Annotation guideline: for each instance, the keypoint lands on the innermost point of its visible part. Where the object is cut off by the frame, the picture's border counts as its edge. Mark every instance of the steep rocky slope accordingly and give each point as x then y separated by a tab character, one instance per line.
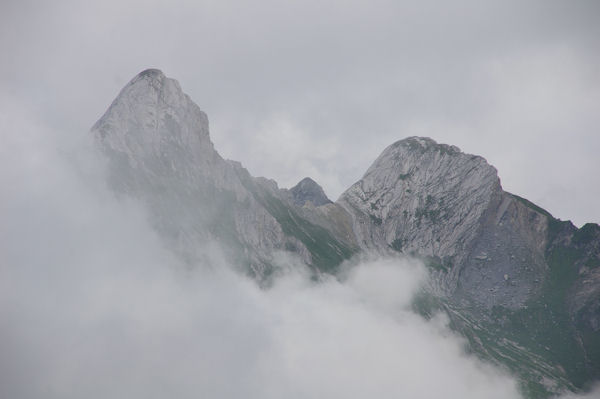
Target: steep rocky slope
520	285
160	152
432	200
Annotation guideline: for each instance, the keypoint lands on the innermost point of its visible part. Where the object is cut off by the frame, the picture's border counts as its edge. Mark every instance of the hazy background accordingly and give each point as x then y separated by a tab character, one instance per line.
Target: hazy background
320	88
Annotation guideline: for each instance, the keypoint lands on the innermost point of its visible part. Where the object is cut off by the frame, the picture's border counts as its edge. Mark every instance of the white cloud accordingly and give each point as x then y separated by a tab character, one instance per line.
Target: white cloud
93	306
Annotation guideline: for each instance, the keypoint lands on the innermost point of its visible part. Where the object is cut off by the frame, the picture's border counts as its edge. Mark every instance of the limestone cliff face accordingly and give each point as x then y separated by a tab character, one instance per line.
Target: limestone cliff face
423	198
157	141
420	196
432	200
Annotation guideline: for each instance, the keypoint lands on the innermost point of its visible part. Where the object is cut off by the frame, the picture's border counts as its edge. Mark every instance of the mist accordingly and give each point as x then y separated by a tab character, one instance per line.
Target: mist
92	304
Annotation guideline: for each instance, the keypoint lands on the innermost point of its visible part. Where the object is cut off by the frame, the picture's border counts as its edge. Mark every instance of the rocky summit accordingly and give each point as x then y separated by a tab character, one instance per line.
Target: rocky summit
308	191
159	151
521	286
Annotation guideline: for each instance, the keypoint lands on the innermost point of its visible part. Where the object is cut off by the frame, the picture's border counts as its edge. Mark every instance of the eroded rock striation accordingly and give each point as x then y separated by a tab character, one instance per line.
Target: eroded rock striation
434	201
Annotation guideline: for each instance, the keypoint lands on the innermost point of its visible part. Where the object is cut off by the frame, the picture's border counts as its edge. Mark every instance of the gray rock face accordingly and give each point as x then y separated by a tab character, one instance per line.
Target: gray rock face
433	200
158	145
307	190
419	196
424	198
506	264
501	266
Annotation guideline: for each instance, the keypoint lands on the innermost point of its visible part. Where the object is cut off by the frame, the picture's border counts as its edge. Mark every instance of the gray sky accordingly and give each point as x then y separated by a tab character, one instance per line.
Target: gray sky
320	88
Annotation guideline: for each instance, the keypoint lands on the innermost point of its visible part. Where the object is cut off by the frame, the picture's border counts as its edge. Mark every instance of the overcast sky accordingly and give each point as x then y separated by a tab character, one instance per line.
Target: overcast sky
320	88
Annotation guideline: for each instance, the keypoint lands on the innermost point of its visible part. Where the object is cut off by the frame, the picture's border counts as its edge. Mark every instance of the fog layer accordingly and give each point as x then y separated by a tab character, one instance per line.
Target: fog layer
93	306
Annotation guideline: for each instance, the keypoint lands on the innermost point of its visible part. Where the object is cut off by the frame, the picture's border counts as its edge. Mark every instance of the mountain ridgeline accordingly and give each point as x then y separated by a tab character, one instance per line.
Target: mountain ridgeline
520	285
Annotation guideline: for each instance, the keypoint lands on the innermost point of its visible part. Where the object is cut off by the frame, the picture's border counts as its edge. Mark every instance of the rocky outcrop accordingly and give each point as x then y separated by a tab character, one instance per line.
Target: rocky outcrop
157	141
307	190
420	197
432	200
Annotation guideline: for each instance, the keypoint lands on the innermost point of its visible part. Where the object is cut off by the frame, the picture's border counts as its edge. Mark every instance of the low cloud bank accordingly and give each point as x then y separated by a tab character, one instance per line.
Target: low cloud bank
93	306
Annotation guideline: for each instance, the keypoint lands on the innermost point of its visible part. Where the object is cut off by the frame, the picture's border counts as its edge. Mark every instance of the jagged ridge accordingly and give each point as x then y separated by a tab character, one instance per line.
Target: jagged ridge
158	144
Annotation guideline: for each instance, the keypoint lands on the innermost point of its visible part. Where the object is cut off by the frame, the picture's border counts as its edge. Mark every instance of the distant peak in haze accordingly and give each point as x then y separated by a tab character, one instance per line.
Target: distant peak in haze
308	190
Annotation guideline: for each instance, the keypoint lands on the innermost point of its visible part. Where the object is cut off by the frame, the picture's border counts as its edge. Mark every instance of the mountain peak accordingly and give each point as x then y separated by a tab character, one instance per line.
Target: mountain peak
424	144
149	80
418	189
159	151
308	190
152	72
153	117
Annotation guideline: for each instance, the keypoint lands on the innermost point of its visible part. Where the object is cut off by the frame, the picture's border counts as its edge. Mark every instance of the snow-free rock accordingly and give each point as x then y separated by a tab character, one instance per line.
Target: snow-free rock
307	190
157	141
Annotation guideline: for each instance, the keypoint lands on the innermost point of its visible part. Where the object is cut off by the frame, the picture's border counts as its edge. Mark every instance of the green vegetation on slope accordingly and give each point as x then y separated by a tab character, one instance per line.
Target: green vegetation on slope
327	252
